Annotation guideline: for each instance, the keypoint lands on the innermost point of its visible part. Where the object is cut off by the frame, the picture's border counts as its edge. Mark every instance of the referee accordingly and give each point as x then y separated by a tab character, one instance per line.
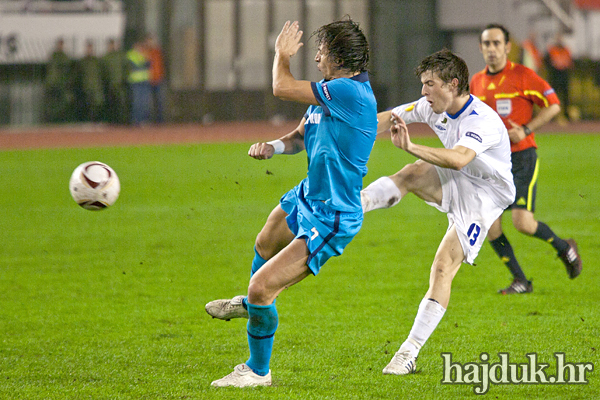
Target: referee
512	90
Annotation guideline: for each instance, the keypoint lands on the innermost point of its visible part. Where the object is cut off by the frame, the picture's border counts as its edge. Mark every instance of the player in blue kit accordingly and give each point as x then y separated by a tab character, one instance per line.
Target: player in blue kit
321	215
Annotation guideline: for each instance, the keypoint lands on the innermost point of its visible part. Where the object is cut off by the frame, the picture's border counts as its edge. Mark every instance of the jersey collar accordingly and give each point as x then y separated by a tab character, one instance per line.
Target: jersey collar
454	116
362	77
508	65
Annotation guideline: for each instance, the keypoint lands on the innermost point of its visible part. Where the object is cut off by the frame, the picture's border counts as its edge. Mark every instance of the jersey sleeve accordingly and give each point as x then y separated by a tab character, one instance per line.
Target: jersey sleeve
417	111
478	135
335	97
538	90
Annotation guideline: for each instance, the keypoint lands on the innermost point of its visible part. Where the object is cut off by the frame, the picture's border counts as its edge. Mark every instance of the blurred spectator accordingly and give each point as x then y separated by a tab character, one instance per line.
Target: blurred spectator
60	98
559	63
138	79
154	54
89	79
114	77
530	55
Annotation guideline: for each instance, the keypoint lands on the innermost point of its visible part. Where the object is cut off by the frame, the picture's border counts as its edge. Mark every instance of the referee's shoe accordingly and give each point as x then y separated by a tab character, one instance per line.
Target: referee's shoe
571	259
517	287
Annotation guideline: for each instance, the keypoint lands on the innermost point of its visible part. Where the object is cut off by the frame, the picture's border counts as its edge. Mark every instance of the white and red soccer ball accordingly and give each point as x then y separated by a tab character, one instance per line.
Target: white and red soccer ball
94	185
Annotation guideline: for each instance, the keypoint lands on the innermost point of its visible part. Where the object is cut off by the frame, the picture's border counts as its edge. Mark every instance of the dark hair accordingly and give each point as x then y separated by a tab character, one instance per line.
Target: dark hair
447	66
497	26
345	43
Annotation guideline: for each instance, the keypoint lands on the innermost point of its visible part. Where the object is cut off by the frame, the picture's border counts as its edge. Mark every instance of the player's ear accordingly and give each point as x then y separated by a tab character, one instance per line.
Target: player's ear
480	48
455	83
508	46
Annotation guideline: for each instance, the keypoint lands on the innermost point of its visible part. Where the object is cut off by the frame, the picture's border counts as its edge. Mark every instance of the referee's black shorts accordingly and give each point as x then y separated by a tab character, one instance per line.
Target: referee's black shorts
525	166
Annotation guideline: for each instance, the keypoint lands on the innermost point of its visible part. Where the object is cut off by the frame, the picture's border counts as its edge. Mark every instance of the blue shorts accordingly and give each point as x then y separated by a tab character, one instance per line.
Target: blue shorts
326	231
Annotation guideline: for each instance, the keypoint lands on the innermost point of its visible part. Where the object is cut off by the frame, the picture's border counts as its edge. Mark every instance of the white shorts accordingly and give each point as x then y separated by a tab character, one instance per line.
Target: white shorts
469	207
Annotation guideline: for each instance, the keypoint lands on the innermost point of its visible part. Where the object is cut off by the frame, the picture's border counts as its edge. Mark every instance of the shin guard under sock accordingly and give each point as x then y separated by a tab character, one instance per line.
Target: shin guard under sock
544	232
505	251
428	317
262	324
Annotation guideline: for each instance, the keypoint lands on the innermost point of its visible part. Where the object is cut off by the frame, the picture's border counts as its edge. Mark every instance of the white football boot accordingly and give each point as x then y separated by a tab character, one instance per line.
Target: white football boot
242	376
227	309
402	363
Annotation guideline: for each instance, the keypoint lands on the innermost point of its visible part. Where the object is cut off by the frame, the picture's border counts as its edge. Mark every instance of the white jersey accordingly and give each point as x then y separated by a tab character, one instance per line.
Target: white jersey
479	128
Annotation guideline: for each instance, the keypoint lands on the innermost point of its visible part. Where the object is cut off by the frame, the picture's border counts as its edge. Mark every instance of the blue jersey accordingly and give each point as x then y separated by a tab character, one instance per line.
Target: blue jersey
338	137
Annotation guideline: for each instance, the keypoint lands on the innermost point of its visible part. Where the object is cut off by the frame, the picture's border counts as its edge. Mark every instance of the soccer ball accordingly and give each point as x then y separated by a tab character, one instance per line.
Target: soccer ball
94	185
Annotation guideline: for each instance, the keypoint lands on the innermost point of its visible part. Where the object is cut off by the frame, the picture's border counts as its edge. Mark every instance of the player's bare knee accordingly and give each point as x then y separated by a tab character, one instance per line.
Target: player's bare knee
257	293
441	275
442	271
261	246
406	177
266	245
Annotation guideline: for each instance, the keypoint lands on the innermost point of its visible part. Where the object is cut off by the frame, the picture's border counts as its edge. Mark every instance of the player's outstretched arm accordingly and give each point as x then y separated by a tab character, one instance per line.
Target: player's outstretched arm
285	86
384	121
455	158
291	143
399	132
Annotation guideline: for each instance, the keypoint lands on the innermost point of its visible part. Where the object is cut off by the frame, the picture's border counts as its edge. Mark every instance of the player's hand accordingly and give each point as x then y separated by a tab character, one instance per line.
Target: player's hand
516	133
288	42
261	151
399	132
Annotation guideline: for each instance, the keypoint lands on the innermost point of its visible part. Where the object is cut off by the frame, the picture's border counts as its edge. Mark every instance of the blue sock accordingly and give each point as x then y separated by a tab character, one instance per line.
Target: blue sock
262	325
256	264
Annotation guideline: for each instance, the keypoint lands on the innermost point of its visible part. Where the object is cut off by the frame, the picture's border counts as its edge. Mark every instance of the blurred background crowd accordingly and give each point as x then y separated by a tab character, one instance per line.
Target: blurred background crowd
118	87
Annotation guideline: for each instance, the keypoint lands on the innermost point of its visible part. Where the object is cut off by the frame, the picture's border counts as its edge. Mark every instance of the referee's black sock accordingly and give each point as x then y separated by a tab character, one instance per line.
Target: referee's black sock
507	255
545	233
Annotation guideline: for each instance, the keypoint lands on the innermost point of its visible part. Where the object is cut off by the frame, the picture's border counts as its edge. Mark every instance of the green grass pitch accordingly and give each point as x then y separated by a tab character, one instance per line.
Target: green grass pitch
110	304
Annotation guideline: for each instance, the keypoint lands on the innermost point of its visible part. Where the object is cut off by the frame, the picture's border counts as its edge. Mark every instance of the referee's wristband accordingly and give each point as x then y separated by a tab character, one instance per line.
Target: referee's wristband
526	130
278	145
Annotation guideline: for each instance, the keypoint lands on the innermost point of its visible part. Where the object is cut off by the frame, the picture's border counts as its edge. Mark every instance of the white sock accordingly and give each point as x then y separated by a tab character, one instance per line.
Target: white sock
383	193
428	317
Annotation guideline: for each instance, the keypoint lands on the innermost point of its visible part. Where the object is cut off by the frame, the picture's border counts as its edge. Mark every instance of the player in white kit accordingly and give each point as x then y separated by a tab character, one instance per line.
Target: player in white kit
470	179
